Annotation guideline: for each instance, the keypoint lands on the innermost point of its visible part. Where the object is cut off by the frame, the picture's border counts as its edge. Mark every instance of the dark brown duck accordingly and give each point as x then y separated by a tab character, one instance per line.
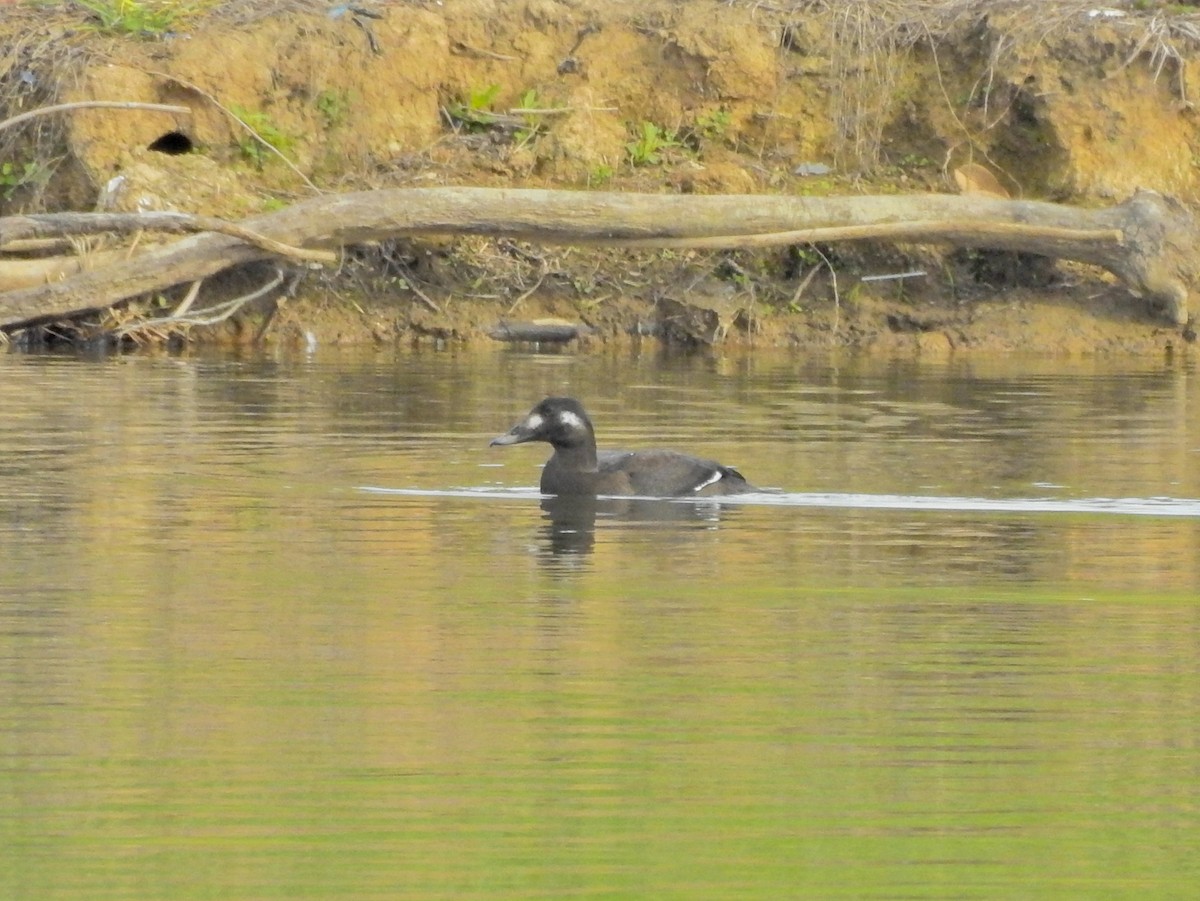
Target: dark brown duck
577	468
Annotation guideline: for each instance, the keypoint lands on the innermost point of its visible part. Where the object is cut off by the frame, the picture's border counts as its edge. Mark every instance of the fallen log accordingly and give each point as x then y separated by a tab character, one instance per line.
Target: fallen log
1149	241
25	273
538	332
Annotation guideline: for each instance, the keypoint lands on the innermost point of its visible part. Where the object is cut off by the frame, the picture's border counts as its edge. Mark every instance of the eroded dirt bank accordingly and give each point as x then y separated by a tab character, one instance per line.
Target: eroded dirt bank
1058	101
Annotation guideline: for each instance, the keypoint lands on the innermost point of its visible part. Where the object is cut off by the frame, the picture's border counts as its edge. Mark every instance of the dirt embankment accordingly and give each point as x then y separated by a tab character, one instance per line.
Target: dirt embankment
1059	101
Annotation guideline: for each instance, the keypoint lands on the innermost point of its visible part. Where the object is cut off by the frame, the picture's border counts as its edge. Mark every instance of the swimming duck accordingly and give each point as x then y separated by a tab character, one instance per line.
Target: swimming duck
577	468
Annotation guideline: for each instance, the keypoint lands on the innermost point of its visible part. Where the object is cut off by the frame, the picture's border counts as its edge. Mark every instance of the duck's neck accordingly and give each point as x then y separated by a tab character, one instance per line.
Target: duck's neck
577	457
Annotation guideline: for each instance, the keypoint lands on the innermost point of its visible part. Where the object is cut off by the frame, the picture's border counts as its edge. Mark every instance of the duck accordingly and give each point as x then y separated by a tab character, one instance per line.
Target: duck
577	469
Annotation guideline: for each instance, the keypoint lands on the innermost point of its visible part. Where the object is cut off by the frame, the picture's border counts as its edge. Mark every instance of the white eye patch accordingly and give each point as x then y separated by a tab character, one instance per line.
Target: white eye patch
534	422
569	419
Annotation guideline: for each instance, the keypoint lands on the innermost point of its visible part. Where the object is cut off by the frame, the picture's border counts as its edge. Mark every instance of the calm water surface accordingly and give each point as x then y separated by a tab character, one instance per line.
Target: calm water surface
287	628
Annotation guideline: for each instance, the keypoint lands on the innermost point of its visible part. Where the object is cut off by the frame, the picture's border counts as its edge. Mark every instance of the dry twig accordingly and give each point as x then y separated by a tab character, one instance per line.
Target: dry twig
95	104
208	316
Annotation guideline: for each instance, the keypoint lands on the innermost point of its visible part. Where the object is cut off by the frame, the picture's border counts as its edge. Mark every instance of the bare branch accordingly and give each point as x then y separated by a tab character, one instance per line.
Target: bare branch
42	225
95	104
1150	241
217	313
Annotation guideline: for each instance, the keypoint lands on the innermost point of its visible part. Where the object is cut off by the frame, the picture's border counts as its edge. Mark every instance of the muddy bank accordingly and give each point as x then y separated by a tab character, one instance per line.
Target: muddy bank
1048	100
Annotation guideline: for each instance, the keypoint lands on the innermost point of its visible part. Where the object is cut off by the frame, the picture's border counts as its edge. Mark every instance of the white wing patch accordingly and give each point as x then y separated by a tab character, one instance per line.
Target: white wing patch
715	477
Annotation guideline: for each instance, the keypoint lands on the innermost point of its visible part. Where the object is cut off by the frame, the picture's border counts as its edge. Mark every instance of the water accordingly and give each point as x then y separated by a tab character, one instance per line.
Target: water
287	628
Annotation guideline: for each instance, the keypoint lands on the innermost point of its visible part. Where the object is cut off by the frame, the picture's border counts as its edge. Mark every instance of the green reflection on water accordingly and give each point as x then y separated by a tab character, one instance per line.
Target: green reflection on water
629	740
226	673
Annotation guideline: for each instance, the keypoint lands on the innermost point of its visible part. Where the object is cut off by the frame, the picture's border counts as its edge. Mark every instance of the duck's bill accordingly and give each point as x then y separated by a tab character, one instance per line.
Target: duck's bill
516	435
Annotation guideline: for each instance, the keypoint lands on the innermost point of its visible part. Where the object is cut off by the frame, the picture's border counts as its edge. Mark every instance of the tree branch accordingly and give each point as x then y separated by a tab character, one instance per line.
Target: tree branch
42	225
1150	242
95	104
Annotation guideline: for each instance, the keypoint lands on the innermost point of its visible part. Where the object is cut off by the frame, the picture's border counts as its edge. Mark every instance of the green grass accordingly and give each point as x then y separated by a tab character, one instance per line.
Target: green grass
713	125
13	176
266	132
137	17
600	174
334	107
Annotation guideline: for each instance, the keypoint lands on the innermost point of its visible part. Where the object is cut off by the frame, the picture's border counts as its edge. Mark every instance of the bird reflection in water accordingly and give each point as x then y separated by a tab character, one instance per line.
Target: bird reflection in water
570	521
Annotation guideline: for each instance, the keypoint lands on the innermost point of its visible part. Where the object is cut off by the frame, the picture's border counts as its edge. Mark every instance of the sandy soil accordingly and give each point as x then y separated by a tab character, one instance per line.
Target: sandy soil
1049	99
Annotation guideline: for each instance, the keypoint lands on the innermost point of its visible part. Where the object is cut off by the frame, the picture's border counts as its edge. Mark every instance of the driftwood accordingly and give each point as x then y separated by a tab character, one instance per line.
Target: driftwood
538	332
1149	242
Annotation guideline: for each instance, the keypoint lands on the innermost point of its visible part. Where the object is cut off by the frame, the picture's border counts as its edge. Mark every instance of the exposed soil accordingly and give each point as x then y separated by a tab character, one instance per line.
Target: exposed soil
1049	100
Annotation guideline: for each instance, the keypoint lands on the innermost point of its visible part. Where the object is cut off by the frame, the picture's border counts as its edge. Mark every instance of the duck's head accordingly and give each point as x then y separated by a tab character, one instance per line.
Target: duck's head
559	421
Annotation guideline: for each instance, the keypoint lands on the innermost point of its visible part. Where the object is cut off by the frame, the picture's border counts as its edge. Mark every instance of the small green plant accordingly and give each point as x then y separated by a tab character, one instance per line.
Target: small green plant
334	107
599	174
143	17
475	112
13	177
266	132
715	124
803	257
916	161
814	187
533	124
652	141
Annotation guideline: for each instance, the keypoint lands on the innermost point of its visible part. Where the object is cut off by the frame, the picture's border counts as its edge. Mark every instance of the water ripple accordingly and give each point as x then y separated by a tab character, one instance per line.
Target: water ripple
1118	506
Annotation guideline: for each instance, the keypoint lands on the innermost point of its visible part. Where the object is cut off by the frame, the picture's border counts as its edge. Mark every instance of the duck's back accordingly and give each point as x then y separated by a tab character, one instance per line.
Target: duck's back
662	473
